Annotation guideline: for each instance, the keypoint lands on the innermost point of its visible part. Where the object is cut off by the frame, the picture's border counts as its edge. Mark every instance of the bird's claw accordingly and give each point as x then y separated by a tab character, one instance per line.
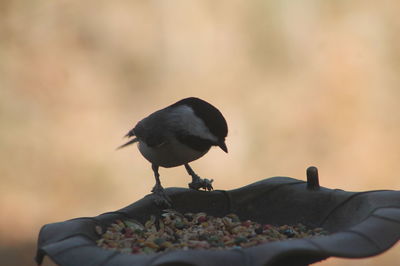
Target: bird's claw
205	184
161	199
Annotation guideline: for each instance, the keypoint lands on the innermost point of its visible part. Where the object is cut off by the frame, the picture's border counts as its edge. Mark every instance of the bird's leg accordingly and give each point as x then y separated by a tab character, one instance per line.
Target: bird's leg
198	182
160	197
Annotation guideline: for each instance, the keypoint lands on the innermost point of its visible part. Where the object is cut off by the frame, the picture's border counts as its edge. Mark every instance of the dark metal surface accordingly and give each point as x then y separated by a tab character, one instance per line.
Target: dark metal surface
362	224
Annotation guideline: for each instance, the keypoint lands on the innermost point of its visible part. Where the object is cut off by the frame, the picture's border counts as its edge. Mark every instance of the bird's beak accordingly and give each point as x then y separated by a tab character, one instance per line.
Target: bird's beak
223	147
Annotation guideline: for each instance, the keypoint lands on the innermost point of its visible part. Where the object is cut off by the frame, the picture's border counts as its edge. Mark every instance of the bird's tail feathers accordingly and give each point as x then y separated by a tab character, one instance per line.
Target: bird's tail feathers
131	133
128	143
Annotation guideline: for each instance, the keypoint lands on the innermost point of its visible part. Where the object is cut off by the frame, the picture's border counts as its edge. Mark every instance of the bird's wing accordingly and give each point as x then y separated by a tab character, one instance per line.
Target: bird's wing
151	130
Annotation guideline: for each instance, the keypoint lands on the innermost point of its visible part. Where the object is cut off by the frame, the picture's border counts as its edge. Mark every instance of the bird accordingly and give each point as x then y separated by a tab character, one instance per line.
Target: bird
177	135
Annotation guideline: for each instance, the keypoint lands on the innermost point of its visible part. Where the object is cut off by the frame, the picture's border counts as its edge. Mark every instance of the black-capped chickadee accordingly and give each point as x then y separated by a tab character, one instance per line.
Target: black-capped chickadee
176	135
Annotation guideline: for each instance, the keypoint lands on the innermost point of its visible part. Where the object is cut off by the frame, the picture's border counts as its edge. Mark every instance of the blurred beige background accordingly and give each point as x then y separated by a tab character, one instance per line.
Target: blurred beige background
300	83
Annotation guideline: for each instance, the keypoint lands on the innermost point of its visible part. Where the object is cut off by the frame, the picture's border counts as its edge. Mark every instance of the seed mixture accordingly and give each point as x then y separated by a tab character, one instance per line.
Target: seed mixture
175	231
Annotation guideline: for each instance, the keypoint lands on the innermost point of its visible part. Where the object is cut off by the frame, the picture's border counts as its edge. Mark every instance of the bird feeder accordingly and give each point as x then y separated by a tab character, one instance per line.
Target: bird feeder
360	224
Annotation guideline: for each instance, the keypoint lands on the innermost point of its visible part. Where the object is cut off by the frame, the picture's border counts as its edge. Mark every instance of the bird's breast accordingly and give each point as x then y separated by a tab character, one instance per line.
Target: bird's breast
171	153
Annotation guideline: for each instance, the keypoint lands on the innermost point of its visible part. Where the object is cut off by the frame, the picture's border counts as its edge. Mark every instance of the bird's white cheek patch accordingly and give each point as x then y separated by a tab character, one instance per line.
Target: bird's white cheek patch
184	117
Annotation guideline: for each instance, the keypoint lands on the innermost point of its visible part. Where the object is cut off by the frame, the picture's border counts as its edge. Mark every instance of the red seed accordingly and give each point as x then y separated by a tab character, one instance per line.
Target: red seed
202	219
267	226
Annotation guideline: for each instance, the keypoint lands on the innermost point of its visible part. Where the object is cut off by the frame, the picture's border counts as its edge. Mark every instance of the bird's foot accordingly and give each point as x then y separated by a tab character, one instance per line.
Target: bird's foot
161	199
198	183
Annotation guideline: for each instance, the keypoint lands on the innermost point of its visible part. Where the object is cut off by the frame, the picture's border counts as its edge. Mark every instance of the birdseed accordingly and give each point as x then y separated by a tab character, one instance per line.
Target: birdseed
176	231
